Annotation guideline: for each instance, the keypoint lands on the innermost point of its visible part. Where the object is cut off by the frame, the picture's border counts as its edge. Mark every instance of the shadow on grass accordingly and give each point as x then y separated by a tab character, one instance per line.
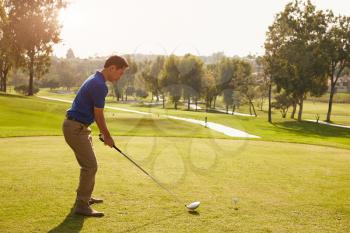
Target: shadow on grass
13	95
72	223
196	213
305	128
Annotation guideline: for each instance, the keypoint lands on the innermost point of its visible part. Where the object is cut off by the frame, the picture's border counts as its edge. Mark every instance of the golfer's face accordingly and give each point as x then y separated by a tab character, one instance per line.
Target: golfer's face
117	73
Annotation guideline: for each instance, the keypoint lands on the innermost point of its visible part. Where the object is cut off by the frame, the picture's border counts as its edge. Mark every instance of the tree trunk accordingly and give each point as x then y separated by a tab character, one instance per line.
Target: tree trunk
31	76
262	103
206	104
1	76
226	109
270	114
233	109
175	105
301	103
196	104
1	81
214	102
292	115
330	103
163	97
251	103
188	103
157	96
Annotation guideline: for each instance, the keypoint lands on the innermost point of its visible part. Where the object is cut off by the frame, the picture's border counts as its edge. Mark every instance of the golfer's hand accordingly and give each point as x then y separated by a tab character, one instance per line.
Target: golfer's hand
109	141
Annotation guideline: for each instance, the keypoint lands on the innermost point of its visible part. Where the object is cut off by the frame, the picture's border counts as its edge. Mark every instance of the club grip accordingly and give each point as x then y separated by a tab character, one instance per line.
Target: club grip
100	136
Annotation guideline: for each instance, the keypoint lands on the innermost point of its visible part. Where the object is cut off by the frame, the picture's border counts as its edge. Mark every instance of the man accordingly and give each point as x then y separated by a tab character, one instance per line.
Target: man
88	107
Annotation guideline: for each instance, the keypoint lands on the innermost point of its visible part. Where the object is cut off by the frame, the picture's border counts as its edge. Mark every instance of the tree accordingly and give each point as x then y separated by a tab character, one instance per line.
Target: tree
294	46
190	73
70	54
263	81
214	71
336	46
283	102
9	53
208	87
129	77
151	74
246	83
226	76
36	29
66	74
170	80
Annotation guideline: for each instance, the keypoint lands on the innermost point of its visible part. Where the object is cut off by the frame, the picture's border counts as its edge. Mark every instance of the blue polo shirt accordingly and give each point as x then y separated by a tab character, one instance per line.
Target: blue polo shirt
92	93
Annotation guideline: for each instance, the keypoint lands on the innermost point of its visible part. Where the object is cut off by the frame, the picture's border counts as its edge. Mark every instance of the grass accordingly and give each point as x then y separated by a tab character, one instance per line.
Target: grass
43	117
32	116
281	187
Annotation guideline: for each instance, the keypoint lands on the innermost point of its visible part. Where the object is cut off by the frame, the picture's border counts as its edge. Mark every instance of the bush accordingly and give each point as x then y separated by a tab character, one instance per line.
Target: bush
141	93
23	89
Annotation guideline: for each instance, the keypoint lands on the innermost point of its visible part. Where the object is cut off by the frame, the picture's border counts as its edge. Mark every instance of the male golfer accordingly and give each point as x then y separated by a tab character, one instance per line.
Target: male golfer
88	107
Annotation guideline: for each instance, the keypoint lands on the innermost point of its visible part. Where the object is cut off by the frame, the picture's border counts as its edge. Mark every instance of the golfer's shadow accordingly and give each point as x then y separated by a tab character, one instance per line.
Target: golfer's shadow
72	223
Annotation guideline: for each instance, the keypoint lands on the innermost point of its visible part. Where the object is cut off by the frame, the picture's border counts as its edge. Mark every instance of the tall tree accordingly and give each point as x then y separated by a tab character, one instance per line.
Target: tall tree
247	83
67	74
294	46
9	53
226	76
151	71
191	72
129	77
170	80
336	46
36	28
208	87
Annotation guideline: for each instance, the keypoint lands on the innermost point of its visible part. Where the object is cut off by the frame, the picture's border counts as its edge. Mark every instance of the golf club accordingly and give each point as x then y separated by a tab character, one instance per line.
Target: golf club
192	206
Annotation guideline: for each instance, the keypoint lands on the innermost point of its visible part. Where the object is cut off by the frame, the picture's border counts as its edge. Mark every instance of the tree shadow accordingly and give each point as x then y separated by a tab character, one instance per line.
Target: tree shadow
306	128
72	223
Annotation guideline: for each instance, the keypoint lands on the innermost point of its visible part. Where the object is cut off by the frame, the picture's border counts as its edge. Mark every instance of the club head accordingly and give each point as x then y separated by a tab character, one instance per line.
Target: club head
194	205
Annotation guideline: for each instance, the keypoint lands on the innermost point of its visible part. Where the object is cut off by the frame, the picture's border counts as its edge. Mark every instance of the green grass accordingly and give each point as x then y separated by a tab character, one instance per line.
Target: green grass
31	116
43	117
286	129
337	98
340	112
281	186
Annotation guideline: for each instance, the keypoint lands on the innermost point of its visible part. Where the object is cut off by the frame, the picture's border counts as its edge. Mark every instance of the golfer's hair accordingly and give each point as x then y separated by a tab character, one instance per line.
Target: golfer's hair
118	61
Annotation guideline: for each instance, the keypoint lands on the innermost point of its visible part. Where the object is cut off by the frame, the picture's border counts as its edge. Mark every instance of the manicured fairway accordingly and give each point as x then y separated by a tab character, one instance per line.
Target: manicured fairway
281	187
279	183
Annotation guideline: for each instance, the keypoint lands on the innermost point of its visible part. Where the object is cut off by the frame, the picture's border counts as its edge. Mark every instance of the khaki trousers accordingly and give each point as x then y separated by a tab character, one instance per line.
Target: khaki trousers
78	137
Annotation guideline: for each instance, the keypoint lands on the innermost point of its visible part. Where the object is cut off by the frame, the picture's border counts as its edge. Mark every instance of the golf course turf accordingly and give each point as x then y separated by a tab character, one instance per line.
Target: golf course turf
255	185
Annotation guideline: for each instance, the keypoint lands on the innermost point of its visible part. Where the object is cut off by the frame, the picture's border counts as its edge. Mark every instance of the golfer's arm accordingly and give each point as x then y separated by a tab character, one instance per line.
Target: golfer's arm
100	121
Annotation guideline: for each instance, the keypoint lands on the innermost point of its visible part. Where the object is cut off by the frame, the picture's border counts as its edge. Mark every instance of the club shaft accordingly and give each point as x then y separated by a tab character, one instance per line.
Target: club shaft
144	171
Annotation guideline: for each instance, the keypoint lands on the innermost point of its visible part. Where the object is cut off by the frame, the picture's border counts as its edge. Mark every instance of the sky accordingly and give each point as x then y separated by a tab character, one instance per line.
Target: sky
201	27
